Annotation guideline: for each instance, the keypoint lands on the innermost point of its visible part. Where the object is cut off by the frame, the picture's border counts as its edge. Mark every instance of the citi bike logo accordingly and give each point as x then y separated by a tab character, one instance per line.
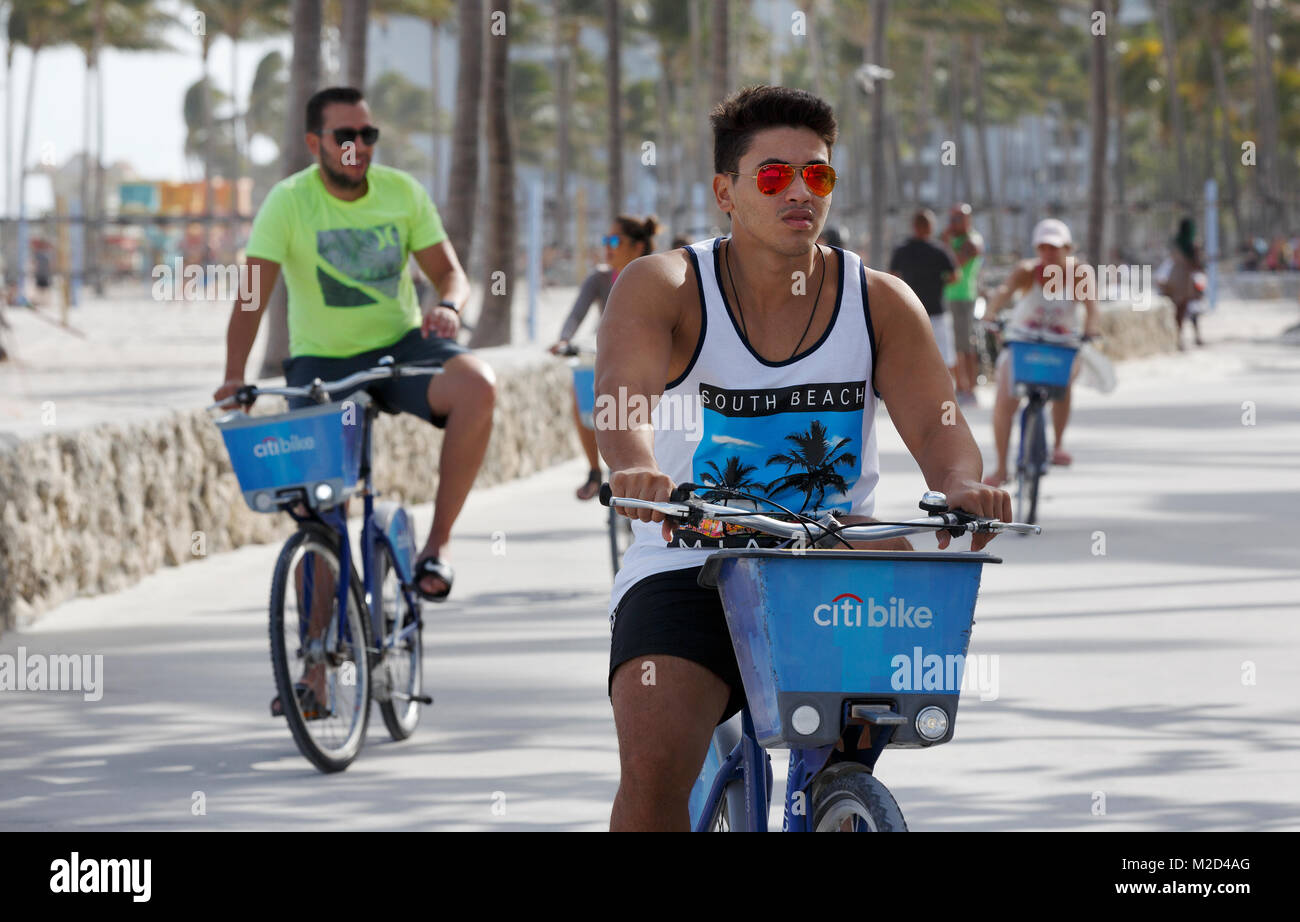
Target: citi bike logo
846	610
273	446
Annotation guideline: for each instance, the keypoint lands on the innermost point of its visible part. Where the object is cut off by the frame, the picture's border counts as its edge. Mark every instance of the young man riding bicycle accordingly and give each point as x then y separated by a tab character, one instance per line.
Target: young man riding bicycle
785	345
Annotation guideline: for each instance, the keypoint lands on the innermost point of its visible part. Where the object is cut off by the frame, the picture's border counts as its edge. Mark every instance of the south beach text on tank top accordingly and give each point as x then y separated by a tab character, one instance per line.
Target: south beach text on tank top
799	432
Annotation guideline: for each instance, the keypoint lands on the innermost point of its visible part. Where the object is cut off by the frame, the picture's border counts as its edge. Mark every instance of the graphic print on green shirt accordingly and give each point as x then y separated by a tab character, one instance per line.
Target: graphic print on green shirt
346	263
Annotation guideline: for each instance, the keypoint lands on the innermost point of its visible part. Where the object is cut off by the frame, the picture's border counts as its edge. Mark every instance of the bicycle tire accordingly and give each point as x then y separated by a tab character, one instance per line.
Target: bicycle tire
407	671
847	793
1029	467
308	542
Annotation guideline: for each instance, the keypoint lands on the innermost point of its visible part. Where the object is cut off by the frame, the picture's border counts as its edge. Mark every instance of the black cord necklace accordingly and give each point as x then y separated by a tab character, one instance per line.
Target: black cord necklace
726	256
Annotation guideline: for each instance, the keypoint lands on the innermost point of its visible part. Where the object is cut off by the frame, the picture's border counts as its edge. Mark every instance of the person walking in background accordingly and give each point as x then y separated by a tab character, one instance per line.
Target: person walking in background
629	237
926	267
967	247
1179	284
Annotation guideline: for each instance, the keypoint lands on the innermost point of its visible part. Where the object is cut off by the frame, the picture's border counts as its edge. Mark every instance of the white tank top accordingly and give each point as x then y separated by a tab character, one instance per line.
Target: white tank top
799	432
1036	311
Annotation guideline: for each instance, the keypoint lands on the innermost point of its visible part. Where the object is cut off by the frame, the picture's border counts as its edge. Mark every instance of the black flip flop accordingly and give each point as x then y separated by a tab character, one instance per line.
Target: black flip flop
432	566
312	709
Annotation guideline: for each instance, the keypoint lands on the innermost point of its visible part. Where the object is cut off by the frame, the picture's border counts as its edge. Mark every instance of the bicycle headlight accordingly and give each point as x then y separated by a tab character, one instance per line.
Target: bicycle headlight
805	720
324	492
932	723
262	502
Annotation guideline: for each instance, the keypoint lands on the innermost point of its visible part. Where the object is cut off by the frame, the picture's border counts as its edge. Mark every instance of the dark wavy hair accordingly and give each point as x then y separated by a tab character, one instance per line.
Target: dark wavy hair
316	105
743	114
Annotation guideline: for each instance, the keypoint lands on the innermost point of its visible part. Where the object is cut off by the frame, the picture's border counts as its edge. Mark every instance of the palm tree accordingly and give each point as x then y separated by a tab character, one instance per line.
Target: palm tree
126	25
1220	20
1183	178
669	25
37	24
238	19
721	28
613	86
355	25
879	17
814	453
304	78
1098	125
733	476
1266	117
495	320
463	193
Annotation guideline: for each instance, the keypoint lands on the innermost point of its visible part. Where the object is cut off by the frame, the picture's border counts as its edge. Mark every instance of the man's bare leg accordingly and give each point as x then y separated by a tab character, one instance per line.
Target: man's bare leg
664	730
588	439
465	393
1004	412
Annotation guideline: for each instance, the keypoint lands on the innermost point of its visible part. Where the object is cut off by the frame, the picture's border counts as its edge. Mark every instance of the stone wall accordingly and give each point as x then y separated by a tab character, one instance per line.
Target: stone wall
94	510
1129	333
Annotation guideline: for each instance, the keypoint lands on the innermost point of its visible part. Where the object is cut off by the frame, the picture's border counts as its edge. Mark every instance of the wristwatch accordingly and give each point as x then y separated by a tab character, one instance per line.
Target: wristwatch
450	305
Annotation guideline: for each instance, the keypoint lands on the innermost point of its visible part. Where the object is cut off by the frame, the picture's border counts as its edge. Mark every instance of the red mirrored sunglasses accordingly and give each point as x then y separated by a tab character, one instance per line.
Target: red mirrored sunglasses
772	178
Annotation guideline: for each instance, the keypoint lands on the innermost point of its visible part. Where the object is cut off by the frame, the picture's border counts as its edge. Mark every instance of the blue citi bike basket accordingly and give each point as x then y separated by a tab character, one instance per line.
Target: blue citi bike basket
584	387
1038	364
314	452
826	640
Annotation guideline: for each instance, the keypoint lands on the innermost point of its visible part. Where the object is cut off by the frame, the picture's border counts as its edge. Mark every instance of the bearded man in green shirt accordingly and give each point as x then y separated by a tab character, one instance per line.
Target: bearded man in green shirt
342	232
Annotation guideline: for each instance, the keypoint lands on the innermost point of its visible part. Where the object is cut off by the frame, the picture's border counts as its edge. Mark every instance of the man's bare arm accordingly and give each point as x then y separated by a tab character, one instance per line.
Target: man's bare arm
254	295
1017	280
440	263
634	348
918	392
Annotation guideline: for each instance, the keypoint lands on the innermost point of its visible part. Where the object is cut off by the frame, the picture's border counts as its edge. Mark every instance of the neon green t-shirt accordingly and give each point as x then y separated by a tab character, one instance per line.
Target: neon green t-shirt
965	288
346	263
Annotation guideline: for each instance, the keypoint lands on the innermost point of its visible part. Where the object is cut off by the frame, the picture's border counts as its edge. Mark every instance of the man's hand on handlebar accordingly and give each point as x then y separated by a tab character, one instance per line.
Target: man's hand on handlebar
442	321
227	391
646	483
978	499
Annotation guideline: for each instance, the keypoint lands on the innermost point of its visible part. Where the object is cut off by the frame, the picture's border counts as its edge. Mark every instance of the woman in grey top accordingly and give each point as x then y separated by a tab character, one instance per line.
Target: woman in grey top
629	237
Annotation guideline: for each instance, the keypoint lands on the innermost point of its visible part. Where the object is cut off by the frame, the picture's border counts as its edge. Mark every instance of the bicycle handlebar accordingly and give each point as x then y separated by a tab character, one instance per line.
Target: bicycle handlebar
682	506
320	390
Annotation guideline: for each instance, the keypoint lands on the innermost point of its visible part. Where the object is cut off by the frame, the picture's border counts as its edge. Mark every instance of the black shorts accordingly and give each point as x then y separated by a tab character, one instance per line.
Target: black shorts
402	395
670	614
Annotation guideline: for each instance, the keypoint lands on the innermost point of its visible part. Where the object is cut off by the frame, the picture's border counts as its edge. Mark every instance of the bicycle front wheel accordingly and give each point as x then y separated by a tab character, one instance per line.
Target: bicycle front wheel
402	664
848	798
319	655
1032	459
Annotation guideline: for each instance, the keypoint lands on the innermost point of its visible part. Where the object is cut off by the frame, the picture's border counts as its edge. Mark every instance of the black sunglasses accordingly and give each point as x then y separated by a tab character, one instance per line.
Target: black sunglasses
369	135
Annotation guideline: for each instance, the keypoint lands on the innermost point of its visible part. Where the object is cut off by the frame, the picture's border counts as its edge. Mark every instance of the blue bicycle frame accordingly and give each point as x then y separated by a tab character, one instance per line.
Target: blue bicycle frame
387	525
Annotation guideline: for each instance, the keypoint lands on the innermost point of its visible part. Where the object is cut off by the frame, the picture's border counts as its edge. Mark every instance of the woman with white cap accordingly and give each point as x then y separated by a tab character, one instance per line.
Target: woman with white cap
1045	301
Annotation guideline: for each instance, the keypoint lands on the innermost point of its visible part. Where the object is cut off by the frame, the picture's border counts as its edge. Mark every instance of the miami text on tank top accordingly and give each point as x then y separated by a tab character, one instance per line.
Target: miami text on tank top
1038	312
799	432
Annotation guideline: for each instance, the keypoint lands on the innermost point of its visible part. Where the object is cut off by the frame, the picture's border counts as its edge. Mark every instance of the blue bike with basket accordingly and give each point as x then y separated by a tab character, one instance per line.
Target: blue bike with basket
1041	367
338	640
842	654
